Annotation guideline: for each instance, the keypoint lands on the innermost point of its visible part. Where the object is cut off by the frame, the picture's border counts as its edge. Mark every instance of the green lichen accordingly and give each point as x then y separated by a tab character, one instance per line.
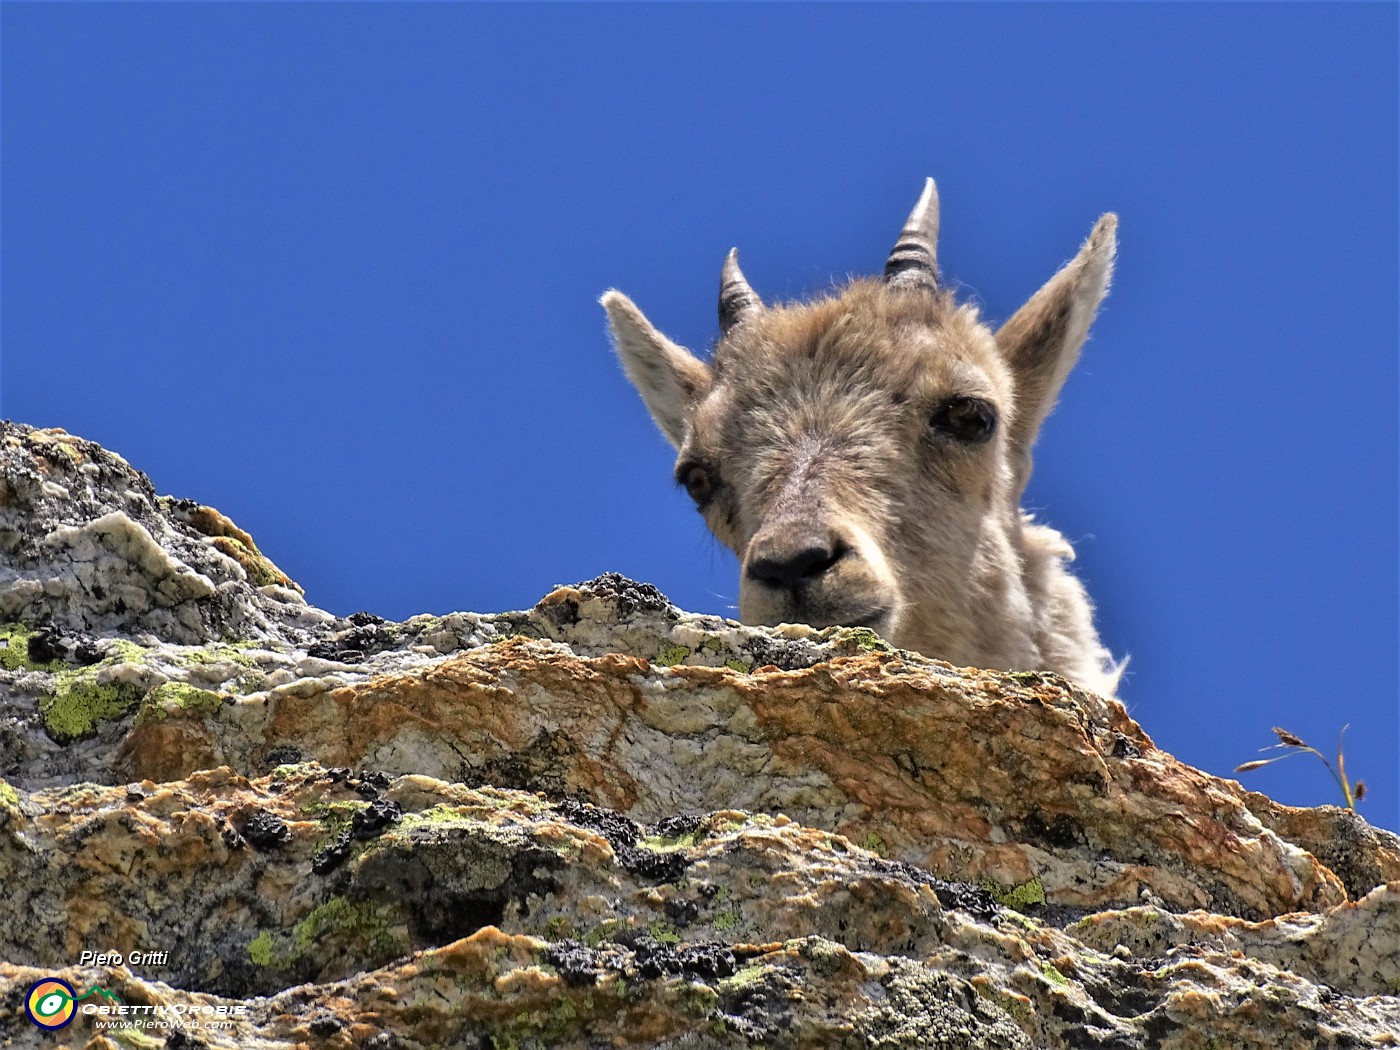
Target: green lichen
334	817
671	655
1019	1011
664	844
262	949
222	654
443	815
727	919
735	664
875	844
1018	897
1013	1005
558	928
9	797
745	978
122	652
14	650
231	641
662	933
80	795
169	697
1054	976
825	956
249	682
868	640
79	702
375	927
697	998
606	932
1023	921
261	572
341	812
552	1026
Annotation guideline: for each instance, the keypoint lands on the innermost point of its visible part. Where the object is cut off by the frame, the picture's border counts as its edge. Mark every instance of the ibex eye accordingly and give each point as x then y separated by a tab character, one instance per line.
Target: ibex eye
968	419
697	482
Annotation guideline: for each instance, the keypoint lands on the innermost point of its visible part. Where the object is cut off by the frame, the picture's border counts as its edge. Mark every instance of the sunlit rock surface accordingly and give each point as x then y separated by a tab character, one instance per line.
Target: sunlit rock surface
607	822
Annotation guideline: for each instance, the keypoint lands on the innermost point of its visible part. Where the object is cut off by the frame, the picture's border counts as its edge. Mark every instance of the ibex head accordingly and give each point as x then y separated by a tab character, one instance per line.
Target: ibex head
864	454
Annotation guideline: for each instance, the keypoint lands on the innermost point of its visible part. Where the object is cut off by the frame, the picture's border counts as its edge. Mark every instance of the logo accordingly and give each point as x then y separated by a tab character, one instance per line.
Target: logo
50	1003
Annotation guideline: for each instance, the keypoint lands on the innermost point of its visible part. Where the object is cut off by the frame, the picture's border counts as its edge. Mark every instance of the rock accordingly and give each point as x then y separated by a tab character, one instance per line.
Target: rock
608	821
88	546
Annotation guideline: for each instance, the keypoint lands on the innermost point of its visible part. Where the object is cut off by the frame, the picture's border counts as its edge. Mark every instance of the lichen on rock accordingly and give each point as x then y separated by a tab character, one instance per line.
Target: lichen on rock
606	821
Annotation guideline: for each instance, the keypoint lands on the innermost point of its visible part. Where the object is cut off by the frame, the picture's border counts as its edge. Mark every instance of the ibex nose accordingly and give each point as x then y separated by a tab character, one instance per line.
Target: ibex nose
789	565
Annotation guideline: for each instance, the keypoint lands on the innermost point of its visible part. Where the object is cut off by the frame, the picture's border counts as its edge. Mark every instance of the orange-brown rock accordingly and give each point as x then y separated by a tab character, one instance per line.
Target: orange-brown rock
971	775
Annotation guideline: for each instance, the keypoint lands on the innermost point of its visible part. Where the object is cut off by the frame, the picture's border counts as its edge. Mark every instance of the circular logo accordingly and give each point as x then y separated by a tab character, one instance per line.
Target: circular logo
50	1003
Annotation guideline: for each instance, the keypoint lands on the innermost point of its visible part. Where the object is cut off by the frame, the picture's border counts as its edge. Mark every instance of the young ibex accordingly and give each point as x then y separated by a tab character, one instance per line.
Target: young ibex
865	454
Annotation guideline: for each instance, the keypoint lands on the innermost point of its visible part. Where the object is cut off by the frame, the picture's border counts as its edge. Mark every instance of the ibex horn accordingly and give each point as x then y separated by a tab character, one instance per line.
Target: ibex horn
737	301
914	261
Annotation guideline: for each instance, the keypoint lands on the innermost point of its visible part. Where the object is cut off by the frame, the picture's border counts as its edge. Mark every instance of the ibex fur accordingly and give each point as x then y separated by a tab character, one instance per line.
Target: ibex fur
865	454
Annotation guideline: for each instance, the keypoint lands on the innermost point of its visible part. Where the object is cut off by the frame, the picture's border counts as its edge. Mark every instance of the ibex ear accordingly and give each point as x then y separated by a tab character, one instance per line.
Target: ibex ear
671	380
1042	340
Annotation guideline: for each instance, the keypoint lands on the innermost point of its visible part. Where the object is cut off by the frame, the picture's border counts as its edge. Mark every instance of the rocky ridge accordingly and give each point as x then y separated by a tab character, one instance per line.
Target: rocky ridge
604	821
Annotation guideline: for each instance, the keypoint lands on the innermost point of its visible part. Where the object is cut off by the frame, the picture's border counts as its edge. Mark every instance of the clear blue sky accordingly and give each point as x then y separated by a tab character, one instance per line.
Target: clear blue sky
334	270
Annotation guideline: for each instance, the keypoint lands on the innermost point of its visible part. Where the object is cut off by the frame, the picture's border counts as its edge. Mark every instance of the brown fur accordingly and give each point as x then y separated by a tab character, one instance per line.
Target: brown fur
809	435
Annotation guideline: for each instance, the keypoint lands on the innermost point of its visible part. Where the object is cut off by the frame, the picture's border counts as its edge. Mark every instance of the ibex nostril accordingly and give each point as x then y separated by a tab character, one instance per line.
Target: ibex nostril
791	569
